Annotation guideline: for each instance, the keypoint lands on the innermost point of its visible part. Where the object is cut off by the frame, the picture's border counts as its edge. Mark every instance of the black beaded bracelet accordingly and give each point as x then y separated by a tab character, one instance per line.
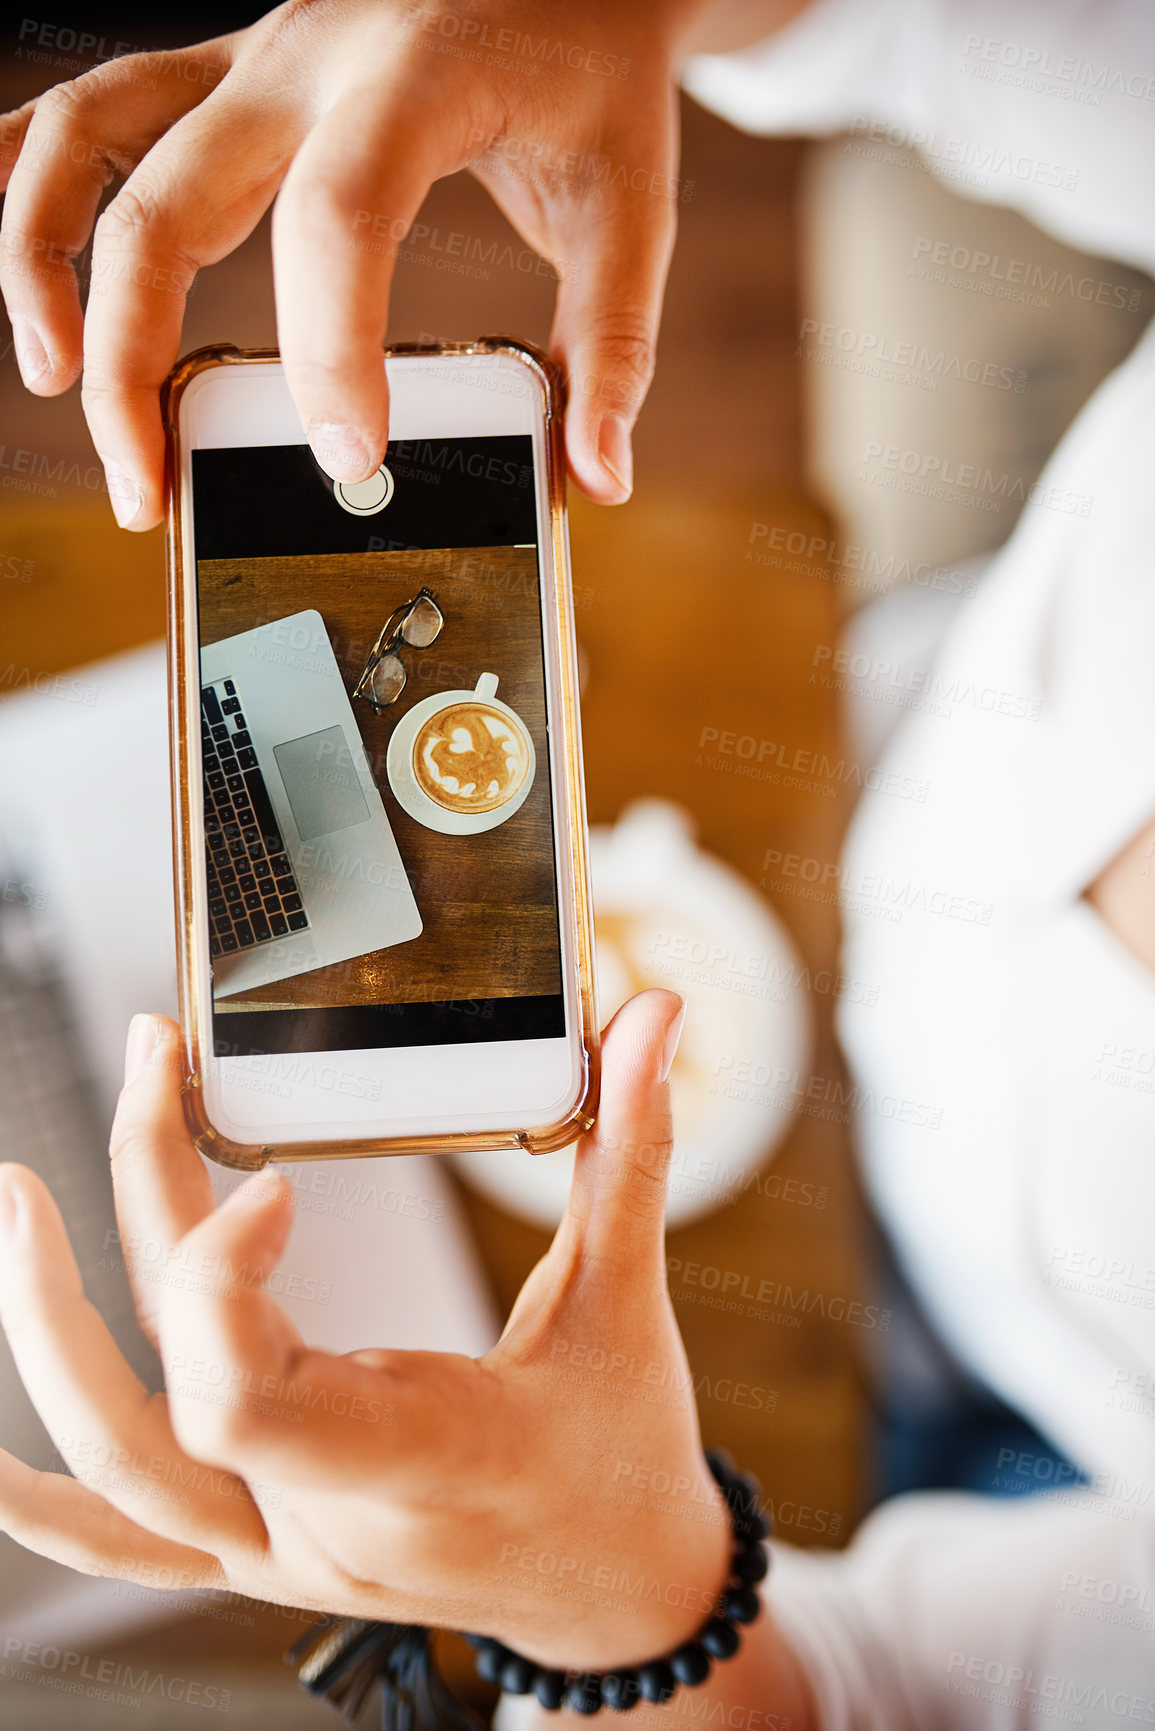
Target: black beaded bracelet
341	1659
689	1664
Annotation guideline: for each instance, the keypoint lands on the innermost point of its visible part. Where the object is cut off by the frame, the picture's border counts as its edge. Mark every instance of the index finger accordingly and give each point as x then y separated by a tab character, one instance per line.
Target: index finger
67	147
159	1181
348	201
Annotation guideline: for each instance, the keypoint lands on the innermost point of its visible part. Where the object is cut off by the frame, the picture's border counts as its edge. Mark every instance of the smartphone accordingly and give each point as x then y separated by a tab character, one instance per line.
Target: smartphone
384	928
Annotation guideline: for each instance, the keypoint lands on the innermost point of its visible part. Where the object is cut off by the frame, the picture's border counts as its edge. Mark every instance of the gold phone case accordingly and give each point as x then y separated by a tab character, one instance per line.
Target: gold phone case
184	712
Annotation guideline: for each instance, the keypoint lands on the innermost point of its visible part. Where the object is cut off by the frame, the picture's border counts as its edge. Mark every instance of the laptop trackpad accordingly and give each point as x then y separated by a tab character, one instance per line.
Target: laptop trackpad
321	782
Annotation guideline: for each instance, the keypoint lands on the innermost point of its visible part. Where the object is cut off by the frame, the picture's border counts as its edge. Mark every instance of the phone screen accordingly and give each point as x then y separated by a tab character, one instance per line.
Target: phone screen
379	837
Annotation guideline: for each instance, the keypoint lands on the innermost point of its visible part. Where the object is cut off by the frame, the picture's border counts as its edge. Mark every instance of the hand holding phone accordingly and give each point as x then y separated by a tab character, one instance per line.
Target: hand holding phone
417	1487
384	912
345	115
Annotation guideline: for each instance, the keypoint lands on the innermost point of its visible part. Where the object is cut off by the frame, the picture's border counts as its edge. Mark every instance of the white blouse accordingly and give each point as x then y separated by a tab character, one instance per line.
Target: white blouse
1023	1206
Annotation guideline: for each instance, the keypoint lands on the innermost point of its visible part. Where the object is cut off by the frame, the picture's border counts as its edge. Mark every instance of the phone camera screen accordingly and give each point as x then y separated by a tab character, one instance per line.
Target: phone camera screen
379	839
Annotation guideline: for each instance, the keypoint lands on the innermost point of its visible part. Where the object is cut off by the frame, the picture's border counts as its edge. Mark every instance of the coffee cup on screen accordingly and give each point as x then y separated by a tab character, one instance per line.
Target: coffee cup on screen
461	762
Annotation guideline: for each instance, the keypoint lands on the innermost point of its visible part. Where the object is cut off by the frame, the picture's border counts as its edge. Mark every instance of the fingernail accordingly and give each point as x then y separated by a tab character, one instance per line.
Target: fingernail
31	355
143	1034
11	1210
342	448
670	1044
124	495
616	452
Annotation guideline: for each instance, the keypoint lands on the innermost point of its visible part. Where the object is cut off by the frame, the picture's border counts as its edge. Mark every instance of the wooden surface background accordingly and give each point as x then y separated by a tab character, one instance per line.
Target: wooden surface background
487	901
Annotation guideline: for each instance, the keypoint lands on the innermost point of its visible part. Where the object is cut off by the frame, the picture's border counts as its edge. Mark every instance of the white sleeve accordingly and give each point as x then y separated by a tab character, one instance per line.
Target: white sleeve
1047	106
954	1613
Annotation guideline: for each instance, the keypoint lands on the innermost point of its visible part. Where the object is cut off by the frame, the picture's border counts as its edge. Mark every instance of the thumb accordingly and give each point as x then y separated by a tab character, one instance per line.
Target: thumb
617	1204
605	333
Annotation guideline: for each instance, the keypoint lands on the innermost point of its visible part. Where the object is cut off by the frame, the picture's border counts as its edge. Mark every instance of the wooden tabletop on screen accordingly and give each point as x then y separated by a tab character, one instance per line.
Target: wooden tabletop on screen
487	901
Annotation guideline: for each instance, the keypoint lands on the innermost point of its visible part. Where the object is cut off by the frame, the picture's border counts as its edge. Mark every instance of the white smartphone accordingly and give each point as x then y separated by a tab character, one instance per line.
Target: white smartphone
383	904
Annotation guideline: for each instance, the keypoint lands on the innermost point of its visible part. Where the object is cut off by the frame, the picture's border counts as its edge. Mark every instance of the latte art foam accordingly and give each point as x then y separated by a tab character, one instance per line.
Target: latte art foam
470	758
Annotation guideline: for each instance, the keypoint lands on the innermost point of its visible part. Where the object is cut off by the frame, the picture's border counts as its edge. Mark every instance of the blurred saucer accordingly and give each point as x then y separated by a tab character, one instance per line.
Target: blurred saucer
668	914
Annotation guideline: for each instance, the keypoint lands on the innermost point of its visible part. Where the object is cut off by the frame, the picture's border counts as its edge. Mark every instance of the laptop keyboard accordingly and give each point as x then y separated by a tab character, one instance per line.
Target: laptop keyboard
253	895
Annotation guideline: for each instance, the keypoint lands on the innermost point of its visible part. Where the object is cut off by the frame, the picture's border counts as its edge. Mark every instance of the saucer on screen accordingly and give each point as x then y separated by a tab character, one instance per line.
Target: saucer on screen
461	762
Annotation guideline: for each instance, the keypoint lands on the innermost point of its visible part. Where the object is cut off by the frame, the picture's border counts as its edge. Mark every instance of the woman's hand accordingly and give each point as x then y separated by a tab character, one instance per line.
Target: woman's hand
345	112
411	1486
